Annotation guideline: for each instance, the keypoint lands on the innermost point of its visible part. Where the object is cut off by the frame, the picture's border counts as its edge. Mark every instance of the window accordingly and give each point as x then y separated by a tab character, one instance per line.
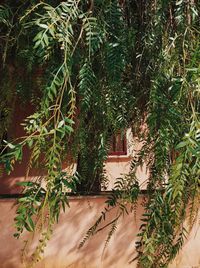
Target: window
118	144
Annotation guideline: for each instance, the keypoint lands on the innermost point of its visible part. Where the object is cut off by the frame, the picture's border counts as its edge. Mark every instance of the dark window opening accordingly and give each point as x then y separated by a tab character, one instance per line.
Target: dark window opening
118	144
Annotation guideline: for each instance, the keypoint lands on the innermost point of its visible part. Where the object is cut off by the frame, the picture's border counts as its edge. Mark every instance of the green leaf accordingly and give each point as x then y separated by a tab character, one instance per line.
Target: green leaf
68	128
182	144
46	39
44	26
10	145
61	123
31	223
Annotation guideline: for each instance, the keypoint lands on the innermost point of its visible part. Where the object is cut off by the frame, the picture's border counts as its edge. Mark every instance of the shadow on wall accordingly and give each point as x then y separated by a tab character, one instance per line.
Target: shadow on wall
62	250
72	228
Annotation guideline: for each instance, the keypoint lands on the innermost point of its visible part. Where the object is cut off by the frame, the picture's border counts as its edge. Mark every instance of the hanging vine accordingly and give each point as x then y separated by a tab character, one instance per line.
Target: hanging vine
105	66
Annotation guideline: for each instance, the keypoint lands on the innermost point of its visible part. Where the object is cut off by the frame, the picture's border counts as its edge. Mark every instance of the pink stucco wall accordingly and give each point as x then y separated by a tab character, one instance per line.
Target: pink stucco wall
62	250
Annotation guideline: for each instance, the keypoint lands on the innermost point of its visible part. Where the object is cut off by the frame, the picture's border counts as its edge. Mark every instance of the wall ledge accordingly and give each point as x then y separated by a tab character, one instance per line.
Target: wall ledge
72	196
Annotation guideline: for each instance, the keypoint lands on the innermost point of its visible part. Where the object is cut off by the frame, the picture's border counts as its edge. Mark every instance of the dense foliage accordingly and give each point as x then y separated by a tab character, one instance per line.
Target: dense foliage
90	69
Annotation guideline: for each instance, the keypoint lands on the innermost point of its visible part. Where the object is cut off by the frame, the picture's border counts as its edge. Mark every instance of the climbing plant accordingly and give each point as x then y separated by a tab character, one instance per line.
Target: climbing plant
91	69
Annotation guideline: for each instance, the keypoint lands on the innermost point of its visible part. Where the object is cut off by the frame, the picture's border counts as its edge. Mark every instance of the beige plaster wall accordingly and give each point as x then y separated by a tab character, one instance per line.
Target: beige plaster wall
62	250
